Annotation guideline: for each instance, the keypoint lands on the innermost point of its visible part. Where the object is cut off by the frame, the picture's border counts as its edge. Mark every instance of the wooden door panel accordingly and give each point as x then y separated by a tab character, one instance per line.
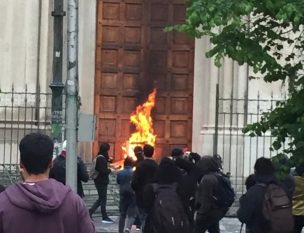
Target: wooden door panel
133	55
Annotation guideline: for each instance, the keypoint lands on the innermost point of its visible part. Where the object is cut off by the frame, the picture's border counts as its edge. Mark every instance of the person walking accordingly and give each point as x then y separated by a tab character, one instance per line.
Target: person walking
208	212
101	181
127	202
265	198
37	203
164	203
58	171
143	175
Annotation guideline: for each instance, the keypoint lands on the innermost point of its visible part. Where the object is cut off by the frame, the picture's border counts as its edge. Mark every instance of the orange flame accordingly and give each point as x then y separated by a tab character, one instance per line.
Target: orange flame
142	120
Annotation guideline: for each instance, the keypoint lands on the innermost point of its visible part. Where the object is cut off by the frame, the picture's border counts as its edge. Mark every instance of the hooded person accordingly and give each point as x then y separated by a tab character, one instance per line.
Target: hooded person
58	171
101	182
39	204
167	175
208	214
250	210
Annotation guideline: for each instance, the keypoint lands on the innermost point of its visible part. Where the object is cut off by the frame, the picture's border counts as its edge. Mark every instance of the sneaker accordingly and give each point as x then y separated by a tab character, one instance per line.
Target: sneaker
137	228
107	220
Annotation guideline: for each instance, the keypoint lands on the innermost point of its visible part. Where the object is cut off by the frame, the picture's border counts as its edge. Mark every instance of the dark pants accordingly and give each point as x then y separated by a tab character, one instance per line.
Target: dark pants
128	212
101	201
299	223
202	225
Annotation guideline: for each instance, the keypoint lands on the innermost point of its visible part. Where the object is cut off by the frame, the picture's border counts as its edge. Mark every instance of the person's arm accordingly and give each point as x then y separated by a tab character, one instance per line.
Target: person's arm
247	206
136	178
85	224
82	174
205	197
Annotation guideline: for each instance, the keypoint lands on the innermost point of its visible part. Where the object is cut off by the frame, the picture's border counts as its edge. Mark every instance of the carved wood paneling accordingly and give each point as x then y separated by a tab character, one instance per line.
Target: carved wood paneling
133	55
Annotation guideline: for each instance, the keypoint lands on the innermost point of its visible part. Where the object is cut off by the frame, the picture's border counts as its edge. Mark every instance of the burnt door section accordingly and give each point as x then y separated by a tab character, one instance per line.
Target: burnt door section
134	55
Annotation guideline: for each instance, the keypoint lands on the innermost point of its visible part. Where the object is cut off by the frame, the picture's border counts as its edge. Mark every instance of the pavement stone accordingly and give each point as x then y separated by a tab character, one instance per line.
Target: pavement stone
227	225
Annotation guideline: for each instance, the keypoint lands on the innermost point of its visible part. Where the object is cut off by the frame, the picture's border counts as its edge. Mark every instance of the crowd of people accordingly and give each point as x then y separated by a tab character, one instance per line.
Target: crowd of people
182	193
176	195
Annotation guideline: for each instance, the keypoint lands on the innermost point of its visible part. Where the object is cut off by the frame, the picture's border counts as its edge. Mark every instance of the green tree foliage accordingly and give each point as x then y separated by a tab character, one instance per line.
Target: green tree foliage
268	35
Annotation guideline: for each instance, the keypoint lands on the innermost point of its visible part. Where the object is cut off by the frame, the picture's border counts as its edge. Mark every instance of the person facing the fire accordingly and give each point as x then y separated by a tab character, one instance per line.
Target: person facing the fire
138	152
127	202
101	181
142	176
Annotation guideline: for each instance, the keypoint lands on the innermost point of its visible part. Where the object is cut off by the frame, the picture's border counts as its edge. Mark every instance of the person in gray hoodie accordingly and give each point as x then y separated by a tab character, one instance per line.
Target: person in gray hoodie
39	204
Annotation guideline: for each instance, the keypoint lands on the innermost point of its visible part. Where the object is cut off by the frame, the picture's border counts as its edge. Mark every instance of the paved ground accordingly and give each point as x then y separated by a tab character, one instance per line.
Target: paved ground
228	225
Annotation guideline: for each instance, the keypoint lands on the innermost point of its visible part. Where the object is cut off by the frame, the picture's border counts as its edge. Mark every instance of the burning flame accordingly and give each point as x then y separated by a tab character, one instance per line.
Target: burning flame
142	120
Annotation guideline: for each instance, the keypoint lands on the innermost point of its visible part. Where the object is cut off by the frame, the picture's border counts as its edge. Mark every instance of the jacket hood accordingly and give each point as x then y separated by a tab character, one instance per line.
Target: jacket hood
43	196
207	164
168	172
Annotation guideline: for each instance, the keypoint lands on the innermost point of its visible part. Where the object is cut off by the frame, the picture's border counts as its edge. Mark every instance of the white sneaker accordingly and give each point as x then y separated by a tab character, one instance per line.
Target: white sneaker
107	220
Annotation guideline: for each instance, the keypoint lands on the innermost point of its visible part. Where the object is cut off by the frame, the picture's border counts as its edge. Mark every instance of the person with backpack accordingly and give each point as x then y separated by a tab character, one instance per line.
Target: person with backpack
214	196
298	199
142	176
265	207
163	202
188	187
101	181
58	171
127	203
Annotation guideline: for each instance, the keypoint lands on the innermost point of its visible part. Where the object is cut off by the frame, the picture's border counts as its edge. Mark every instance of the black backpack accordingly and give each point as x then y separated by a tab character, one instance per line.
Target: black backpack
224	194
168	213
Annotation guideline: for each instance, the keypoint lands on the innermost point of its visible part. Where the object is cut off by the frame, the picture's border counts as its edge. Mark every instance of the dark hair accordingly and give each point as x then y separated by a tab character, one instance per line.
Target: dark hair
168	172
36	152
194	157
148	150
103	149
264	166
176	152
138	150
128	162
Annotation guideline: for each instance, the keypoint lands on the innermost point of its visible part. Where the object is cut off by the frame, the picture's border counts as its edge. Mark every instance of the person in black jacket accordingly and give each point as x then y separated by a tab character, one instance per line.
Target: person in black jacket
251	203
208	213
143	175
167	174
102	181
58	170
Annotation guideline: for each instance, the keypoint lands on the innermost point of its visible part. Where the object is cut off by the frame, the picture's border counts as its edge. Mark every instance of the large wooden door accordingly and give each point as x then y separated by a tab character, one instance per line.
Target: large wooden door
134	55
